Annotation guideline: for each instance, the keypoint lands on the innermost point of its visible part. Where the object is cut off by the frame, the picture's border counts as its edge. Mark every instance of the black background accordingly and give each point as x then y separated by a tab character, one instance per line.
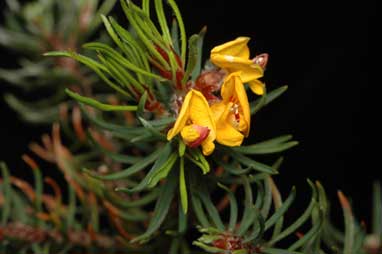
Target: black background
324	51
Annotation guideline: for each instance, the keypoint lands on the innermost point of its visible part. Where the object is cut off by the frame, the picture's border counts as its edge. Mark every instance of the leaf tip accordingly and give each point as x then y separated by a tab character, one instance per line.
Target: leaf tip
343	200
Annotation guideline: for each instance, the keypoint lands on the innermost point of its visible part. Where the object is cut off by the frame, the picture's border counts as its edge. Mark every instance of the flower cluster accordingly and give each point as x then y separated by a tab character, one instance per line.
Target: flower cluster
226	118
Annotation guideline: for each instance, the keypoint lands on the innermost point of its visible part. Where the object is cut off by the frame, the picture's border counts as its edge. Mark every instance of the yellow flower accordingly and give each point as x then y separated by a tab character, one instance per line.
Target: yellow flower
234	56
195	123
232	115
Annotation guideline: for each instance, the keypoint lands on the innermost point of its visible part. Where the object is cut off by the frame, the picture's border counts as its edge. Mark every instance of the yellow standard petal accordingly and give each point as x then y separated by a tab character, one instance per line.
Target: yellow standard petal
233	56
237	48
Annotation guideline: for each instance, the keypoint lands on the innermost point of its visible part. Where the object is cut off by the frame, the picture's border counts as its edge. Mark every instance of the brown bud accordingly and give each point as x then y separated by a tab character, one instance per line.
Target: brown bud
261	60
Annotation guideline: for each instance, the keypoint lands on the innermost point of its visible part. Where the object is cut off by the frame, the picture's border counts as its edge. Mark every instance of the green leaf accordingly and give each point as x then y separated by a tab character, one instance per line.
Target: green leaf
138	24
174	247
267	198
309	236
182	221
261	102
80	58
273	145
161	208
142	201
277	203
281	210
174	66
98	105
199	210
140	165
162	21
104	9
192	56
92	64
123	77
234	169
121	131
130	55
301	220
198	66
233	208
155	132
260	192
349	224
137	50
38	188
183	37
359	239
208	248
19	212
163	171
146	26
161	123
377	210
241	251
107	50
142	104
258	228
159	170
175	36
181	148
22	42
13	5
128	159
268	150
211	209
195	182
133	215
251	163
265	100
71	212
183	187
31	113
267	250
6	189
199	160
111	32
249	212
146	7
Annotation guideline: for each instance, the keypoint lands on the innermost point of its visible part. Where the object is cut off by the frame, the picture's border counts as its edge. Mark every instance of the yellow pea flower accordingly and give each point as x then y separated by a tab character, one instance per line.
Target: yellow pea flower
232	114
195	123
234	56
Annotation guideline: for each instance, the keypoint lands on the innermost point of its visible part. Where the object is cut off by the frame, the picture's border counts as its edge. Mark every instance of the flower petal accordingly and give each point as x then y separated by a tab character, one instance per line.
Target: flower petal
257	87
244	108
230	62
194	135
217	110
190	134
182	117
195	109
249	70
201	114
233	90
226	133
237	47
208	147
